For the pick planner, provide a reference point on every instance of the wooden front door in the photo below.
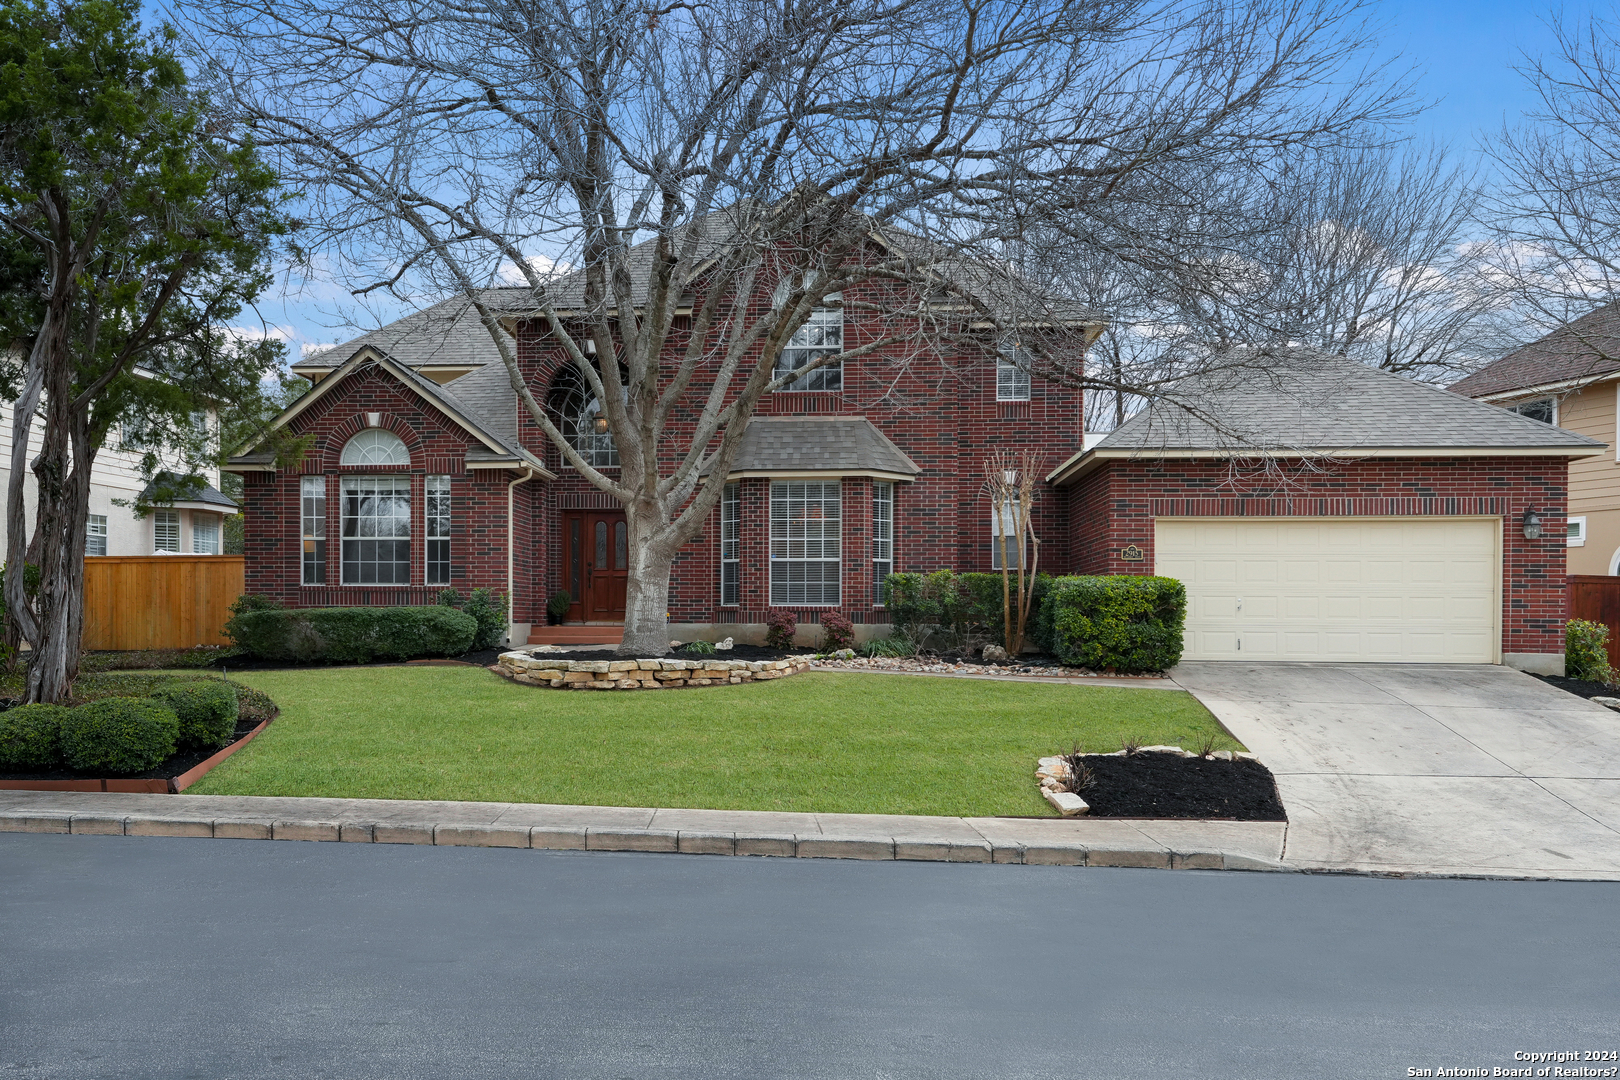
(596, 546)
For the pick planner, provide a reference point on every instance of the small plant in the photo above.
(30, 736)
(699, 648)
(206, 708)
(1131, 744)
(896, 645)
(1080, 778)
(488, 609)
(780, 627)
(1207, 747)
(449, 598)
(557, 607)
(837, 631)
(1586, 651)
(119, 735)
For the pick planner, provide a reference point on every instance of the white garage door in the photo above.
(1393, 590)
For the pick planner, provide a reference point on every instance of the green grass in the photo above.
(836, 743)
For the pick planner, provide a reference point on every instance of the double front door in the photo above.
(596, 551)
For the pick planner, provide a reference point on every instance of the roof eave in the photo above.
(1085, 462)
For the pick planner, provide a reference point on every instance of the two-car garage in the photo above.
(1389, 590)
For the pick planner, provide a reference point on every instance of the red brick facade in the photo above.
(1114, 506)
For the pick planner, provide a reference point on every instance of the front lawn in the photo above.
(825, 742)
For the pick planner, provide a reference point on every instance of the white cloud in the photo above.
(546, 268)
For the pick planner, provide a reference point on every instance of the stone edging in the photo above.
(659, 674)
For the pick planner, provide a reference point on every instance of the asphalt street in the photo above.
(150, 957)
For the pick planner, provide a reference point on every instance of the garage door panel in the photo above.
(1375, 589)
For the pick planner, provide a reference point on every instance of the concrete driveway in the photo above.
(1428, 768)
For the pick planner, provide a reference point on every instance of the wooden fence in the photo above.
(158, 601)
(1596, 598)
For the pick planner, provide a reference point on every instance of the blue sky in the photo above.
(1464, 52)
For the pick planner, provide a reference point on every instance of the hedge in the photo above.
(353, 635)
(1127, 622)
(956, 604)
(31, 736)
(1586, 651)
(207, 709)
(119, 735)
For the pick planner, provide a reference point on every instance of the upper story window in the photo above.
(1542, 409)
(166, 531)
(822, 335)
(375, 447)
(1012, 376)
(204, 534)
(592, 438)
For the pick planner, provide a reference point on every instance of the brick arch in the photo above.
(338, 437)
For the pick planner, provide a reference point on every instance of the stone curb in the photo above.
(869, 846)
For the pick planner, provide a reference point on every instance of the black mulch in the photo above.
(168, 769)
(1156, 785)
(1585, 688)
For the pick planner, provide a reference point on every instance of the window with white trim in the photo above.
(1575, 531)
(821, 335)
(374, 446)
(806, 531)
(95, 535)
(882, 538)
(593, 438)
(730, 563)
(1012, 376)
(166, 531)
(376, 516)
(1005, 524)
(1543, 409)
(312, 496)
(436, 529)
(204, 534)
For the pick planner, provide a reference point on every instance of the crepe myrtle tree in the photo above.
(711, 174)
(129, 233)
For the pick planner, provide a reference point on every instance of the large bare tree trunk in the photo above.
(62, 472)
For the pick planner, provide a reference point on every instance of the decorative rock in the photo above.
(724, 646)
(1166, 750)
(674, 644)
(994, 654)
(1067, 803)
(623, 665)
(1607, 702)
(648, 665)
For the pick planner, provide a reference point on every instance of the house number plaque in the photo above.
(1131, 553)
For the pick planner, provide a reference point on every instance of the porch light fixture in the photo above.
(600, 424)
(1532, 524)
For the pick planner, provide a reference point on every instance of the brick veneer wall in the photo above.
(1115, 506)
(272, 540)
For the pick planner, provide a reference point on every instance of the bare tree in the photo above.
(1009, 480)
(769, 158)
(1557, 210)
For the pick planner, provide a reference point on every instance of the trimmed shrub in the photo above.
(119, 735)
(837, 632)
(207, 709)
(449, 598)
(1126, 622)
(488, 609)
(31, 736)
(254, 602)
(957, 606)
(1586, 651)
(779, 628)
(353, 635)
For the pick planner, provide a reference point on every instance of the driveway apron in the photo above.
(1407, 768)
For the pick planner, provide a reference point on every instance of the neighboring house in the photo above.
(1390, 526)
(187, 527)
(1571, 379)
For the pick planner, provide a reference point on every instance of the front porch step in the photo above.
(576, 634)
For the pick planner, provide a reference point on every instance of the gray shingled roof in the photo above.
(206, 494)
(833, 444)
(1307, 400)
(1587, 347)
(447, 333)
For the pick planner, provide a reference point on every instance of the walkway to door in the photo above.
(1462, 769)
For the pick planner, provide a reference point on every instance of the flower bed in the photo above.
(652, 674)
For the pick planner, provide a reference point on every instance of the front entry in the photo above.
(596, 547)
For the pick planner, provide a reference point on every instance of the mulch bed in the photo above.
(736, 652)
(1585, 688)
(166, 770)
(1158, 785)
(482, 658)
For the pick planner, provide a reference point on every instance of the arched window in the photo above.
(576, 411)
(375, 446)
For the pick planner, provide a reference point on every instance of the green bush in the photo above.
(254, 602)
(889, 646)
(956, 606)
(1127, 622)
(488, 609)
(698, 648)
(1586, 651)
(207, 709)
(119, 735)
(31, 736)
(354, 635)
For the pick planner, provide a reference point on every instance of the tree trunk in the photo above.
(62, 471)
(646, 595)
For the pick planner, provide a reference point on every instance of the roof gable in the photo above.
(1582, 351)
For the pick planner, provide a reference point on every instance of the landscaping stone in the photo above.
(994, 654)
(1066, 802)
(1606, 702)
(649, 674)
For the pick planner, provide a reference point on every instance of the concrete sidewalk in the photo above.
(1210, 845)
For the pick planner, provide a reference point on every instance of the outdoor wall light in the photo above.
(1532, 524)
(600, 426)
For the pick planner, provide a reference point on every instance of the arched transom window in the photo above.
(375, 446)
